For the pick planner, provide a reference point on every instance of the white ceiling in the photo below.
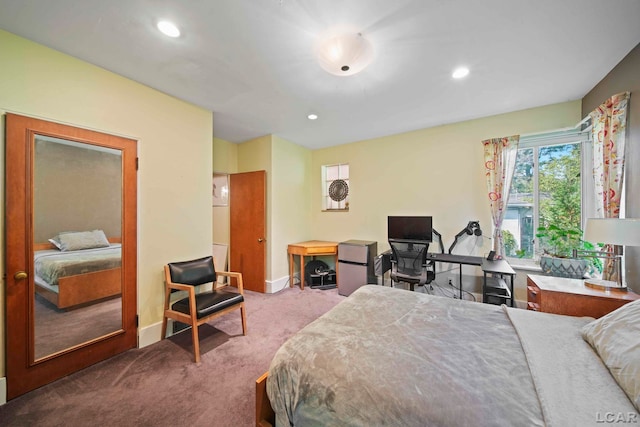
(251, 62)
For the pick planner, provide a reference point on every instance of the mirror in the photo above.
(77, 236)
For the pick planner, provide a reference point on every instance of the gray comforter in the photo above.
(50, 265)
(389, 357)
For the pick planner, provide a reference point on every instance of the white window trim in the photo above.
(559, 137)
(325, 187)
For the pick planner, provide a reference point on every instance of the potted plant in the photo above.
(558, 245)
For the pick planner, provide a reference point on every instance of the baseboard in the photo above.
(150, 334)
(273, 286)
(3, 390)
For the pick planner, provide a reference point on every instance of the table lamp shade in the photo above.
(615, 231)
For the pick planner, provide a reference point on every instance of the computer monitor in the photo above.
(409, 228)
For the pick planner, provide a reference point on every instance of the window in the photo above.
(340, 200)
(548, 187)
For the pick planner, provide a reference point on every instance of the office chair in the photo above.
(196, 309)
(409, 263)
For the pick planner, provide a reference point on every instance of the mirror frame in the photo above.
(76, 187)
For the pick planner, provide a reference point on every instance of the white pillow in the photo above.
(616, 339)
(74, 241)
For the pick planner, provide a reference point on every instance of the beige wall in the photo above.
(288, 169)
(625, 77)
(290, 202)
(175, 150)
(436, 171)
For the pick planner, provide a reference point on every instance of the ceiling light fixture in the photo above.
(312, 116)
(345, 55)
(168, 29)
(460, 72)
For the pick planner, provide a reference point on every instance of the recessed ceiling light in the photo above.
(460, 72)
(168, 28)
(312, 116)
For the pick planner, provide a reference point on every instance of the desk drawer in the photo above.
(321, 250)
(533, 296)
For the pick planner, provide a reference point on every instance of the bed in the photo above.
(70, 278)
(387, 356)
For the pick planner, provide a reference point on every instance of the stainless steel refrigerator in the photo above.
(355, 265)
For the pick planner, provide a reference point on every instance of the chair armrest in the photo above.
(235, 274)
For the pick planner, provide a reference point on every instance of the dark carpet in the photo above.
(160, 385)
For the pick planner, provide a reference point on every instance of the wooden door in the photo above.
(247, 205)
(33, 357)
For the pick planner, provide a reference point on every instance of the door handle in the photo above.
(260, 239)
(20, 275)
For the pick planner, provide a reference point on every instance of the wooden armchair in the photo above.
(198, 308)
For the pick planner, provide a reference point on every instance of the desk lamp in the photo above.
(613, 231)
(472, 228)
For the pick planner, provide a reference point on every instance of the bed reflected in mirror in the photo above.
(77, 217)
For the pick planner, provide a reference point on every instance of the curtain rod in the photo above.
(567, 129)
(583, 121)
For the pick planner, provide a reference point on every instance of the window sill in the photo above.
(524, 264)
(335, 210)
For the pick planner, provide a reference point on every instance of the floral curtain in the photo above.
(608, 132)
(499, 163)
(609, 122)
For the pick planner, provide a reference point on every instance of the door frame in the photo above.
(23, 372)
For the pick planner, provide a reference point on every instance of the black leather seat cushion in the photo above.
(209, 302)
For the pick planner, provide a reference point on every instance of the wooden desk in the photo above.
(571, 297)
(310, 248)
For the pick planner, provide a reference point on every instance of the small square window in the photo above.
(335, 187)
